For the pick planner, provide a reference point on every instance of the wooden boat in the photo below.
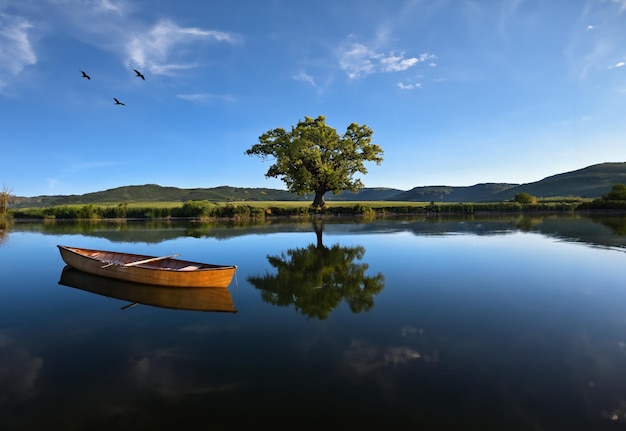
(189, 298)
(162, 271)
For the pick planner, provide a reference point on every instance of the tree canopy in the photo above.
(314, 158)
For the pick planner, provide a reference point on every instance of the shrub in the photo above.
(617, 193)
(525, 198)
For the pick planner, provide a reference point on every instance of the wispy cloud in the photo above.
(621, 4)
(52, 183)
(358, 60)
(155, 48)
(305, 77)
(414, 86)
(206, 97)
(110, 5)
(618, 64)
(160, 47)
(16, 51)
(92, 165)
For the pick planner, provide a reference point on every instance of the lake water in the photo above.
(494, 323)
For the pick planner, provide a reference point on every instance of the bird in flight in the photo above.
(139, 74)
(85, 75)
(117, 102)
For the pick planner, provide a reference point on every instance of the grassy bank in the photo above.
(205, 210)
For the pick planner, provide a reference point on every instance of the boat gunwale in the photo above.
(200, 266)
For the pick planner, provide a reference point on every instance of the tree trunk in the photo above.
(318, 227)
(319, 199)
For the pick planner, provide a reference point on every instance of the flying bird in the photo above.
(85, 75)
(139, 74)
(117, 102)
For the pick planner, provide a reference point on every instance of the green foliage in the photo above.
(197, 209)
(314, 158)
(617, 193)
(614, 200)
(524, 198)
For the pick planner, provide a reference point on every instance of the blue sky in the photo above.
(458, 92)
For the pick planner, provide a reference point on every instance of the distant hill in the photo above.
(589, 182)
(476, 193)
(366, 194)
(156, 193)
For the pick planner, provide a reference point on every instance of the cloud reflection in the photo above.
(172, 375)
(364, 357)
(19, 370)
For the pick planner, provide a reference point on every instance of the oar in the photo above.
(151, 260)
(139, 262)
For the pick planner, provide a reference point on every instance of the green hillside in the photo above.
(366, 194)
(476, 193)
(589, 182)
(156, 193)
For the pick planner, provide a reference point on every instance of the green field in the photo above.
(330, 204)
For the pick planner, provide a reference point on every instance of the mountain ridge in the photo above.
(589, 182)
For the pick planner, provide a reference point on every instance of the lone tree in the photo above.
(314, 158)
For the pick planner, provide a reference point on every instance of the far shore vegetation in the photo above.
(613, 201)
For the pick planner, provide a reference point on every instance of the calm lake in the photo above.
(486, 323)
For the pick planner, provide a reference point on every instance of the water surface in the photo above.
(482, 323)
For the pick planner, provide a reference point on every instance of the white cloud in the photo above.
(358, 60)
(403, 86)
(618, 64)
(16, 51)
(154, 48)
(397, 63)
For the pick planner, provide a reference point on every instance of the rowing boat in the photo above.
(189, 298)
(161, 271)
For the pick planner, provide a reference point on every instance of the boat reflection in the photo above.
(178, 298)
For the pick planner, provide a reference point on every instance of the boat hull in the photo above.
(158, 271)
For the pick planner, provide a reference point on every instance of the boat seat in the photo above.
(189, 268)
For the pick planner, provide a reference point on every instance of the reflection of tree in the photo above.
(526, 223)
(316, 278)
(4, 231)
(616, 224)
